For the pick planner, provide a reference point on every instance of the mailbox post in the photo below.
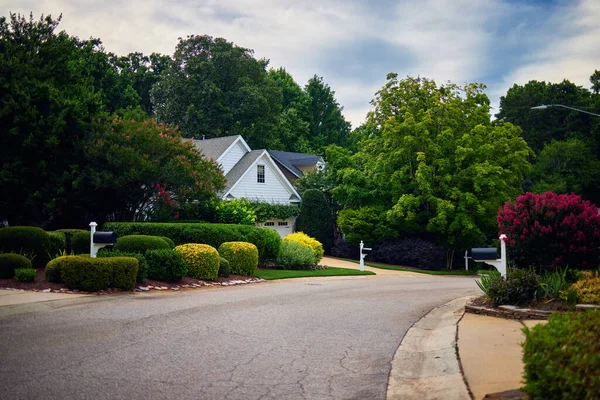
(489, 256)
(99, 240)
(362, 255)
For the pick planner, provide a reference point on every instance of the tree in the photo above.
(214, 88)
(327, 124)
(595, 81)
(434, 162)
(316, 219)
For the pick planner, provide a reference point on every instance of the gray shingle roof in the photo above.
(291, 160)
(214, 148)
(240, 168)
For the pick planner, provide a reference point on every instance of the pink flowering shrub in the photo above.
(549, 231)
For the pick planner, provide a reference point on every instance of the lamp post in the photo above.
(545, 106)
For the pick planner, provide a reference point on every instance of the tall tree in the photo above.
(214, 88)
(595, 81)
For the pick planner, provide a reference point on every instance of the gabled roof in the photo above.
(291, 160)
(215, 148)
(241, 167)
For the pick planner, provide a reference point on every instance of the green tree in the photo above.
(316, 218)
(434, 162)
(214, 88)
(595, 81)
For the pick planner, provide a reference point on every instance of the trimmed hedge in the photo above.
(562, 357)
(53, 269)
(202, 260)
(69, 236)
(169, 241)
(58, 243)
(242, 257)
(142, 263)
(140, 243)
(80, 242)
(224, 268)
(303, 238)
(294, 255)
(519, 288)
(25, 239)
(25, 274)
(92, 274)
(316, 218)
(9, 262)
(211, 234)
(166, 265)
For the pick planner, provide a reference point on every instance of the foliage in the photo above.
(142, 263)
(368, 224)
(124, 271)
(214, 88)
(272, 241)
(224, 268)
(58, 243)
(92, 274)
(587, 289)
(433, 162)
(316, 219)
(272, 274)
(486, 280)
(211, 234)
(169, 241)
(236, 211)
(80, 242)
(166, 265)
(25, 274)
(9, 262)
(242, 257)
(343, 249)
(202, 260)
(68, 237)
(312, 243)
(53, 268)
(140, 243)
(552, 284)
(561, 357)
(413, 252)
(518, 288)
(266, 211)
(550, 231)
(294, 255)
(26, 239)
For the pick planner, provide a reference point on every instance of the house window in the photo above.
(260, 173)
(282, 223)
(270, 223)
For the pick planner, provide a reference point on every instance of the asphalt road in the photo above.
(297, 339)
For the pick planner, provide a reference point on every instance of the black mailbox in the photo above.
(105, 237)
(484, 253)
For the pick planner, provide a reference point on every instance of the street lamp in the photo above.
(545, 106)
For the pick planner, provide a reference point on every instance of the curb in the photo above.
(426, 365)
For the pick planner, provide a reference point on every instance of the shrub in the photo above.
(80, 242)
(562, 358)
(69, 237)
(343, 249)
(91, 274)
(236, 211)
(242, 257)
(224, 268)
(140, 243)
(367, 223)
(519, 288)
(166, 265)
(25, 274)
(9, 262)
(202, 260)
(302, 238)
(486, 280)
(169, 241)
(294, 255)
(272, 241)
(552, 284)
(53, 268)
(551, 231)
(26, 239)
(58, 243)
(412, 252)
(142, 263)
(588, 288)
(316, 219)
(124, 271)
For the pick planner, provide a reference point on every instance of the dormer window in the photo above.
(260, 174)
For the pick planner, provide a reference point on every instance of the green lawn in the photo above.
(272, 274)
(409, 269)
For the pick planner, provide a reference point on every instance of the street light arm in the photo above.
(544, 106)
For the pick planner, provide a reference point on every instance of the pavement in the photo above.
(442, 353)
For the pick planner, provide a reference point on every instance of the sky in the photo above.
(354, 44)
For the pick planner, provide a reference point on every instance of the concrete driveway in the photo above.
(290, 339)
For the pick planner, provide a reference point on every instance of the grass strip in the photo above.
(409, 269)
(272, 274)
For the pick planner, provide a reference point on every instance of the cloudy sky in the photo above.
(353, 44)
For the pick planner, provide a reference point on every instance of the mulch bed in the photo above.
(544, 305)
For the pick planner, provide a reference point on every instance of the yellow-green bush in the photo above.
(588, 288)
(303, 238)
(242, 257)
(202, 260)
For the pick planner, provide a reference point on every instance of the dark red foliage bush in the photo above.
(549, 231)
(412, 252)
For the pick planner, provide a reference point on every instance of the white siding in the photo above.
(272, 191)
(231, 157)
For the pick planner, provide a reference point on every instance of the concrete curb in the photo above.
(426, 365)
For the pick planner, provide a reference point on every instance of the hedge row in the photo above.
(25, 240)
(267, 241)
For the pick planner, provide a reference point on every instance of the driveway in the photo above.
(293, 339)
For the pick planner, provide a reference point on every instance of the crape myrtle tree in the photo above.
(433, 165)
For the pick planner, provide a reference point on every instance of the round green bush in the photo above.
(53, 269)
(142, 263)
(242, 257)
(80, 242)
(140, 243)
(58, 244)
(165, 265)
(169, 241)
(202, 260)
(124, 271)
(519, 288)
(224, 268)
(294, 255)
(270, 241)
(26, 239)
(562, 357)
(9, 262)
(25, 274)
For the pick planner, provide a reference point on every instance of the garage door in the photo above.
(284, 228)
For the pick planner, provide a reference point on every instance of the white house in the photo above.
(251, 174)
